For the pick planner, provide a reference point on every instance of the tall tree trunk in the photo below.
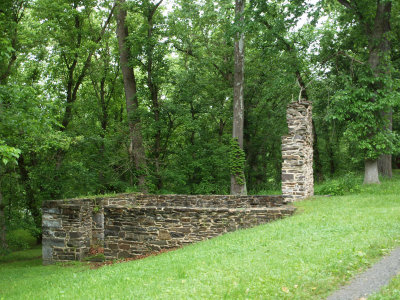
(104, 123)
(192, 180)
(371, 172)
(385, 161)
(331, 145)
(153, 88)
(136, 149)
(385, 165)
(317, 159)
(16, 14)
(31, 203)
(379, 48)
(4, 76)
(221, 129)
(238, 188)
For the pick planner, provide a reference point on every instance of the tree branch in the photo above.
(89, 57)
(103, 29)
(65, 60)
(288, 46)
(113, 84)
(351, 57)
(354, 6)
(190, 53)
(157, 5)
(345, 3)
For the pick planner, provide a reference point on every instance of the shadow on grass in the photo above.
(24, 255)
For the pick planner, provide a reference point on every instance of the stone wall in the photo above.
(143, 230)
(130, 225)
(66, 230)
(230, 201)
(297, 153)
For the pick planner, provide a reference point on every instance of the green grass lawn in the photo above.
(306, 256)
(390, 292)
(31, 254)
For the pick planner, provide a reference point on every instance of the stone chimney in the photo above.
(297, 153)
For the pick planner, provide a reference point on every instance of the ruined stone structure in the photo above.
(130, 225)
(297, 153)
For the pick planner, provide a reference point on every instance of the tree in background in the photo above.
(11, 13)
(238, 180)
(149, 55)
(72, 30)
(136, 150)
(202, 35)
(282, 40)
(369, 94)
(7, 155)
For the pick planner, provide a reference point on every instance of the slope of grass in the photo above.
(306, 256)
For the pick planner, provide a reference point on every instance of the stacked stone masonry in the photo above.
(66, 230)
(132, 225)
(297, 153)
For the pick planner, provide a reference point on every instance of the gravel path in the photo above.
(372, 280)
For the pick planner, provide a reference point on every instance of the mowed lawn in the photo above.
(390, 292)
(306, 256)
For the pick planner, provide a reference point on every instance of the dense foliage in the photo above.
(68, 128)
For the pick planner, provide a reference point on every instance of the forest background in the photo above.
(102, 97)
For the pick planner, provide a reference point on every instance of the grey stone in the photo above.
(75, 235)
(177, 234)
(47, 254)
(51, 223)
(287, 177)
(110, 233)
(164, 235)
(75, 243)
(54, 210)
(99, 219)
(124, 254)
(57, 242)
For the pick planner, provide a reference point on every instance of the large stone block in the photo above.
(47, 223)
(47, 254)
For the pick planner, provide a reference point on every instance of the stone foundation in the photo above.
(297, 153)
(131, 225)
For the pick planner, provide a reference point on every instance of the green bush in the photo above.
(347, 184)
(20, 239)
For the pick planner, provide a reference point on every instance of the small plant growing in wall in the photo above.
(96, 253)
(96, 207)
(96, 258)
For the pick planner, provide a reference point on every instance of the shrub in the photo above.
(20, 239)
(347, 184)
